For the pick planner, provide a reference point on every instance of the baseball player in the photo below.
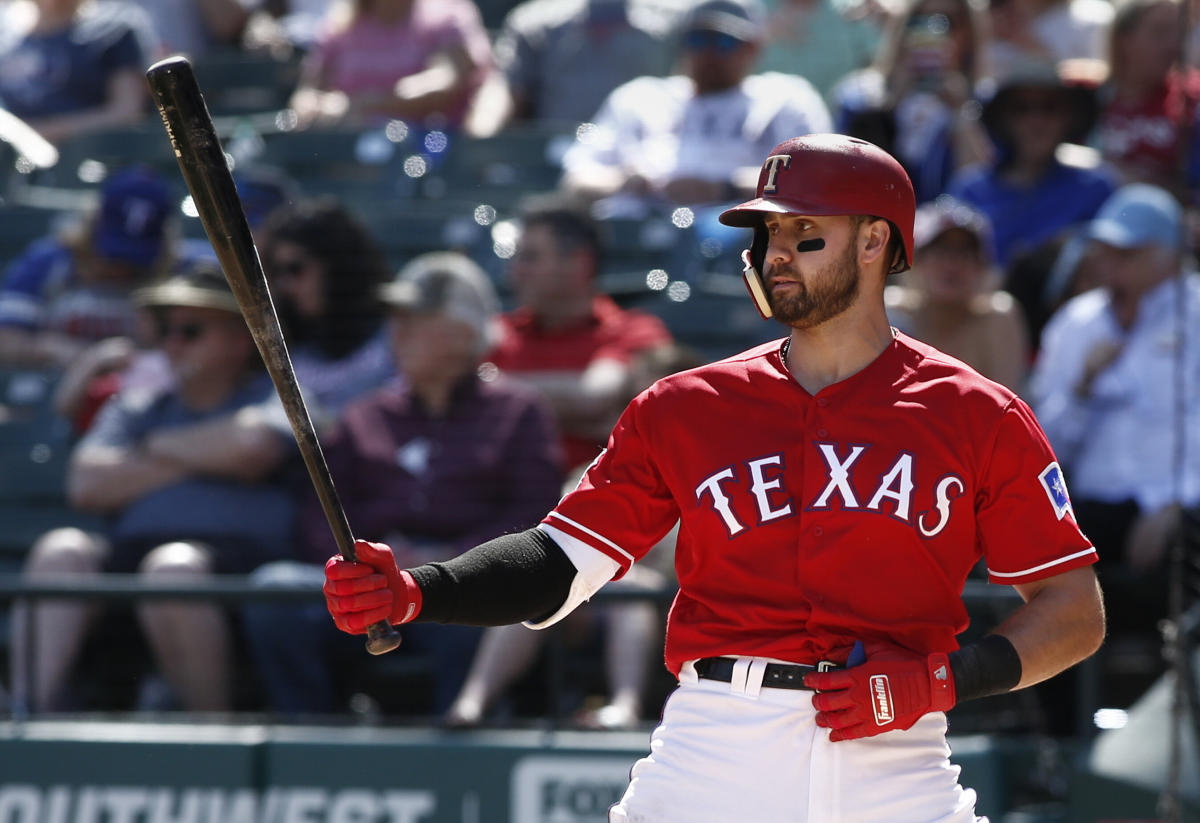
(834, 489)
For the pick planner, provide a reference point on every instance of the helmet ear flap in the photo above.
(753, 259)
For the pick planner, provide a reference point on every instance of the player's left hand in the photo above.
(892, 690)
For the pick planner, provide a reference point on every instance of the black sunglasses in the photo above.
(187, 332)
(718, 41)
(288, 268)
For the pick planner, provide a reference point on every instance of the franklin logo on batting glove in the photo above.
(883, 700)
(892, 690)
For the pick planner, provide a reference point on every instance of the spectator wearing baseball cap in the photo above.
(951, 298)
(1104, 389)
(68, 291)
(695, 138)
(451, 429)
(191, 479)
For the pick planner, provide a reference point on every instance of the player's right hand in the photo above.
(359, 594)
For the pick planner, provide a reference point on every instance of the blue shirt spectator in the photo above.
(1041, 181)
(67, 292)
(77, 67)
(1025, 216)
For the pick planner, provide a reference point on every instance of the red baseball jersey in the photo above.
(809, 522)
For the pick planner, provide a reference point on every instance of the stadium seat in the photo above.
(86, 160)
(499, 170)
(405, 230)
(20, 225)
(714, 316)
(362, 165)
(35, 444)
(236, 82)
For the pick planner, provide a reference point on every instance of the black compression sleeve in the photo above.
(523, 576)
(991, 666)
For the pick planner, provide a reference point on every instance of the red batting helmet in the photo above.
(827, 174)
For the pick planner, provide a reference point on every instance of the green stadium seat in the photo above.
(35, 442)
(714, 316)
(361, 166)
(498, 170)
(86, 160)
(236, 82)
(20, 225)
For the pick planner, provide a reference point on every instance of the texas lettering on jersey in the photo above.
(762, 481)
(807, 522)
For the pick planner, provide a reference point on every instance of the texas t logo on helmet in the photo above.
(824, 174)
(771, 168)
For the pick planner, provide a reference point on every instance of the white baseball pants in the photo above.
(739, 753)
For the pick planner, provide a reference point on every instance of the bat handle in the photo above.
(382, 637)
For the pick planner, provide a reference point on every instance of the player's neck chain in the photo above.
(783, 352)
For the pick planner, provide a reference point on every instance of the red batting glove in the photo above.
(374, 588)
(892, 690)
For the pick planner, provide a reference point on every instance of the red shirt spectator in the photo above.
(569, 342)
(607, 332)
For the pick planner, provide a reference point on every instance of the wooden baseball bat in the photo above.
(202, 161)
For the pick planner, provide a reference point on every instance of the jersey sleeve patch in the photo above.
(1056, 489)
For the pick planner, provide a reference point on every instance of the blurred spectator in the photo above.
(281, 27)
(571, 343)
(75, 67)
(917, 101)
(190, 480)
(1072, 29)
(65, 293)
(697, 137)
(448, 457)
(325, 270)
(950, 299)
(1148, 107)
(415, 60)
(1106, 390)
(821, 40)
(558, 59)
(632, 630)
(103, 368)
(1047, 30)
(196, 27)
(1036, 188)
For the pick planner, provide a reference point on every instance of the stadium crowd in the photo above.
(487, 226)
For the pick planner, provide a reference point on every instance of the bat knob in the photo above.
(382, 638)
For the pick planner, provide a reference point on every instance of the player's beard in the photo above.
(834, 289)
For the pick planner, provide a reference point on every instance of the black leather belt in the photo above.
(776, 676)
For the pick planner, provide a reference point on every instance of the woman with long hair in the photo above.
(325, 269)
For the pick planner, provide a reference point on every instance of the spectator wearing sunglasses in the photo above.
(1038, 186)
(191, 481)
(697, 137)
(325, 270)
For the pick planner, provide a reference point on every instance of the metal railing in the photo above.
(980, 597)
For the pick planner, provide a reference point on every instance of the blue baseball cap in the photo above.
(1139, 215)
(262, 189)
(131, 225)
